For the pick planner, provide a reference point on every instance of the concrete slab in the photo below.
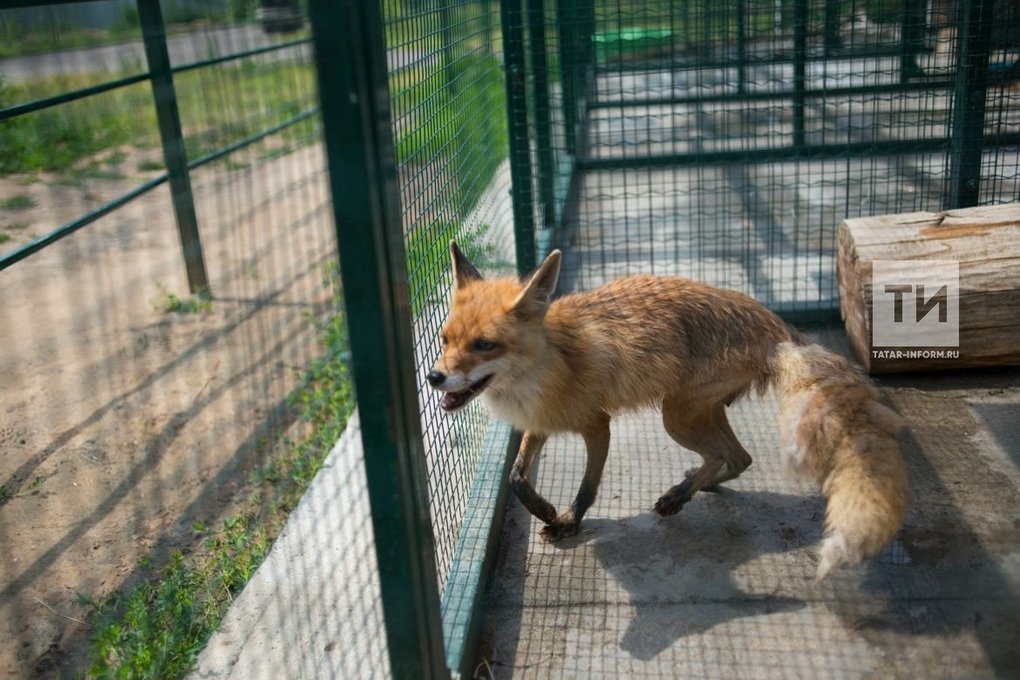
(313, 608)
(725, 588)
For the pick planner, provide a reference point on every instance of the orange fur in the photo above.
(571, 364)
(838, 434)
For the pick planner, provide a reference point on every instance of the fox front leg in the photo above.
(596, 442)
(531, 445)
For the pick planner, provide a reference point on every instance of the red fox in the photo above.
(568, 365)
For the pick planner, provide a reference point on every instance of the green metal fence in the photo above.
(211, 132)
(727, 140)
(719, 140)
(172, 372)
(422, 105)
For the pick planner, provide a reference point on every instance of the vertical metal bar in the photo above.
(350, 63)
(911, 38)
(566, 22)
(800, 20)
(174, 154)
(832, 41)
(967, 139)
(586, 46)
(741, 46)
(451, 73)
(543, 124)
(517, 118)
(449, 54)
(486, 7)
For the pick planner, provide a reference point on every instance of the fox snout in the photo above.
(458, 390)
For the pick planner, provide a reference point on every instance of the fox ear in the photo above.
(463, 270)
(535, 297)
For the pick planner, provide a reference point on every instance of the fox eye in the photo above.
(482, 345)
(443, 340)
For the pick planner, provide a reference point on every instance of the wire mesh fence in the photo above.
(726, 141)
(185, 409)
(450, 136)
(160, 420)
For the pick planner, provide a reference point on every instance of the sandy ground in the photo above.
(125, 427)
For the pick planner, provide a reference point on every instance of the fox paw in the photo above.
(556, 530)
(670, 504)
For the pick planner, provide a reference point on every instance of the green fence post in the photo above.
(517, 119)
(911, 38)
(968, 128)
(350, 64)
(566, 20)
(543, 124)
(742, 10)
(174, 154)
(832, 41)
(450, 65)
(800, 21)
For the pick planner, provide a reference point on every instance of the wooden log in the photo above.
(984, 243)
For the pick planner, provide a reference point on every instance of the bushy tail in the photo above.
(836, 432)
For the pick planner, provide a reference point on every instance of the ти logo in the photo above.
(915, 303)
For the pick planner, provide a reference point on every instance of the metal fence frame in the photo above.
(573, 46)
(178, 167)
(970, 83)
(426, 636)
(351, 65)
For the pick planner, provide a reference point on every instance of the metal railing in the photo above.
(160, 74)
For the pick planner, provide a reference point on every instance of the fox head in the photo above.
(493, 325)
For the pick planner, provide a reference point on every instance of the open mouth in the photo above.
(456, 400)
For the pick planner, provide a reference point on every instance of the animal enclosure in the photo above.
(219, 239)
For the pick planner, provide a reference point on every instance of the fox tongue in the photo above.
(454, 400)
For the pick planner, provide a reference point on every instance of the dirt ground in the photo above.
(126, 427)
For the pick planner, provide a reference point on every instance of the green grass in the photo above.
(166, 302)
(156, 629)
(16, 41)
(428, 256)
(151, 165)
(57, 32)
(7, 494)
(218, 106)
(457, 114)
(4, 238)
(18, 202)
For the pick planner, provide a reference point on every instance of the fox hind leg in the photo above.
(706, 431)
(737, 459)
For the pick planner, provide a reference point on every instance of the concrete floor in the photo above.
(725, 589)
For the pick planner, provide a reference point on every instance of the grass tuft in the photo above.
(166, 301)
(19, 202)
